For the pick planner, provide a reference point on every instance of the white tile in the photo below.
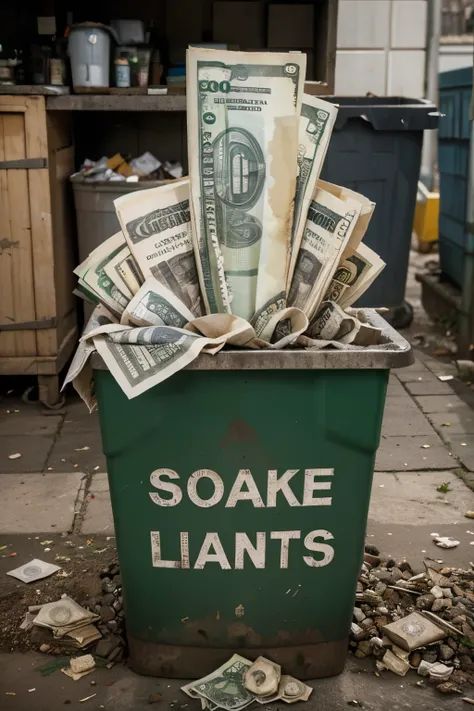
(363, 24)
(359, 72)
(406, 73)
(409, 24)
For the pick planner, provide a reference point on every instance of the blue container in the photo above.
(455, 90)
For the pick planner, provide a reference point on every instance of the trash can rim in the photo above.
(397, 356)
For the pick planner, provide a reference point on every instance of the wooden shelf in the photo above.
(105, 102)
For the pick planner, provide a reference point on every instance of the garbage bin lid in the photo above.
(394, 352)
(386, 113)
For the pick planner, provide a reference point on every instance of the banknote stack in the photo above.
(239, 682)
(251, 250)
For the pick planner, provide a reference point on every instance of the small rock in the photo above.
(359, 654)
(424, 602)
(391, 596)
(154, 698)
(107, 613)
(382, 610)
(466, 661)
(406, 575)
(441, 604)
(468, 631)
(429, 657)
(108, 599)
(453, 644)
(358, 614)
(380, 588)
(372, 560)
(390, 563)
(118, 604)
(357, 632)
(437, 592)
(118, 580)
(114, 569)
(108, 586)
(396, 575)
(459, 592)
(45, 648)
(114, 654)
(383, 575)
(445, 652)
(447, 592)
(359, 588)
(112, 625)
(415, 659)
(107, 645)
(367, 623)
(372, 550)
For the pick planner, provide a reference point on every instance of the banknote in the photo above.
(365, 267)
(92, 275)
(123, 271)
(64, 614)
(224, 687)
(140, 358)
(332, 323)
(155, 305)
(263, 677)
(329, 224)
(34, 570)
(80, 371)
(314, 132)
(354, 276)
(243, 110)
(156, 225)
(363, 219)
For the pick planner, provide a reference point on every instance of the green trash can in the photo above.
(240, 489)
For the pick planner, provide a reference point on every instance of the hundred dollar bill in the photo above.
(243, 110)
(224, 687)
(92, 275)
(368, 267)
(315, 127)
(123, 271)
(332, 323)
(363, 219)
(156, 225)
(155, 305)
(140, 358)
(80, 371)
(354, 276)
(329, 224)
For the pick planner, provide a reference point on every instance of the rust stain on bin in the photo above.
(239, 431)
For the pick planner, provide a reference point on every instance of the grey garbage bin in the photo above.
(95, 211)
(375, 149)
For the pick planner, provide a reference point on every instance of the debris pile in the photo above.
(64, 626)
(119, 168)
(239, 682)
(410, 619)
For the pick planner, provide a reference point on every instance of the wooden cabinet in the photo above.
(38, 328)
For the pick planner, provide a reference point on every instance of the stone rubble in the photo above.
(435, 606)
(111, 624)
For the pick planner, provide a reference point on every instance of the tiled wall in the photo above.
(381, 47)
